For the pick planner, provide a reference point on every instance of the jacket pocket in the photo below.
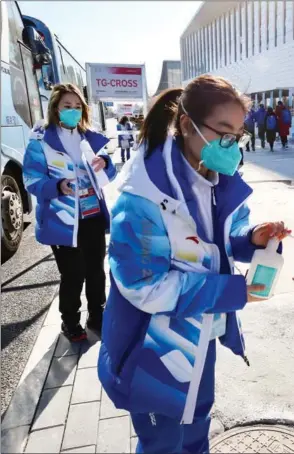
(128, 362)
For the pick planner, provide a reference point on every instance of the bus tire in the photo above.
(12, 216)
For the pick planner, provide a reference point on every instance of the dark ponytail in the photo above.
(159, 119)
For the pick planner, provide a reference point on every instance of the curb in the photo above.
(20, 413)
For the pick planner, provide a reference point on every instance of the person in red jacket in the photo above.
(284, 122)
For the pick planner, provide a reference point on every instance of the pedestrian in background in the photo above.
(250, 127)
(125, 141)
(260, 120)
(284, 118)
(71, 211)
(271, 127)
(171, 257)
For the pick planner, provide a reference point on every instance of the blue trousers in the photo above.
(158, 434)
(123, 150)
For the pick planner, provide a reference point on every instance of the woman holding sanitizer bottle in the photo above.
(178, 226)
(65, 166)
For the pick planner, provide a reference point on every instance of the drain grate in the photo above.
(255, 439)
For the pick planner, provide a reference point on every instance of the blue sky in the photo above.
(118, 32)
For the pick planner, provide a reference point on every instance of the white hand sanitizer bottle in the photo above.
(89, 156)
(265, 269)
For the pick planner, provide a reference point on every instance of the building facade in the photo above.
(250, 43)
(170, 75)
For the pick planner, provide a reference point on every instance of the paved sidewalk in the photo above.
(59, 405)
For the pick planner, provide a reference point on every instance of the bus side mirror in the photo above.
(41, 53)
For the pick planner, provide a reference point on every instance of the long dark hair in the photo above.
(200, 97)
(123, 120)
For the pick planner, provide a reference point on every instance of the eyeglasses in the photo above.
(227, 139)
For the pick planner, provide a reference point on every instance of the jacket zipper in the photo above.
(204, 339)
(125, 355)
(77, 208)
(191, 400)
(245, 358)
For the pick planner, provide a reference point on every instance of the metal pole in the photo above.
(144, 89)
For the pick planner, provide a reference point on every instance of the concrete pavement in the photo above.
(59, 405)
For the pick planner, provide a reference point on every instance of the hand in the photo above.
(264, 232)
(254, 288)
(98, 163)
(65, 188)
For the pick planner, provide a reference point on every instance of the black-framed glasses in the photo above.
(227, 139)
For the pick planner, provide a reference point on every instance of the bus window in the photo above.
(62, 62)
(33, 92)
(17, 79)
(15, 34)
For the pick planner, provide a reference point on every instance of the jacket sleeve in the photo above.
(140, 262)
(110, 168)
(35, 173)
(240, 236)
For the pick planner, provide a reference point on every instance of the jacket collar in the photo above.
(150, 178)
(97, 141)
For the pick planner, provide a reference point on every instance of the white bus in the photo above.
(21, 51)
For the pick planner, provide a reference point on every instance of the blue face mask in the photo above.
(222, 160)
(70, 117)
(216, 158)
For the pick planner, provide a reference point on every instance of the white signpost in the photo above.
(116, 82)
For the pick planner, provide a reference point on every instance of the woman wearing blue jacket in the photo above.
(180, 222)
(71, 211)
(125, 139)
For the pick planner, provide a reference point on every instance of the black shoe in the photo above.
(94, 324)
(74, 333)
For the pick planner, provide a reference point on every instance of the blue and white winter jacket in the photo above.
(125, 139)
(46, 163)
(170, 286)
(260, 116)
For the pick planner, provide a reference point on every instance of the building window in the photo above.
(237, 11)
(187, 58)
(271, 25)
(199, 51)
(224, 39)
(246, 28)
(259, 24)
(284, 20)
(276, 23)
(233, 35)
(240, 32)
(208, 48)
(212, 32)
(204, 49)
(293, 22)
(252, 26)
(280, 23)
(216, 44)
(191, 56)
(267, 25)
(219, 44)
(195, 53)
(202, 52)
(228, 38)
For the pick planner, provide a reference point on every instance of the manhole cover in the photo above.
(255, 439)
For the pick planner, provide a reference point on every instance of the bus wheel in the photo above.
(12, 217)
